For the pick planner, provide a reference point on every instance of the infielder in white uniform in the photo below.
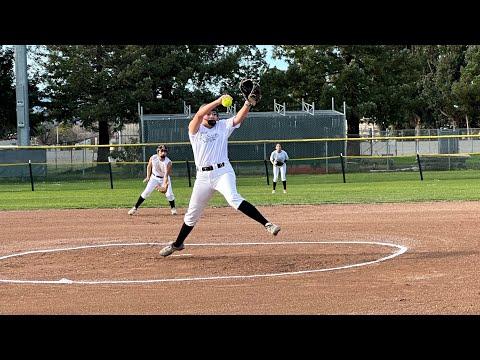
(159, 169)
(209, 139)
(279, 158)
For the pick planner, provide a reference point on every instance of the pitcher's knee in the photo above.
(145, 194)
(191, 219)
(235, 201)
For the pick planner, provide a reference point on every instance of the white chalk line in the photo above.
(401, 249)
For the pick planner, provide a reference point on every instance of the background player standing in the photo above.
(279, 158)
(209, 138)
(159, 169)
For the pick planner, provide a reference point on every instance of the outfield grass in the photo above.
(302, 189)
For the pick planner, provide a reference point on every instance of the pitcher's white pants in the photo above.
(222, 180)
(154, 181)
(283, 172)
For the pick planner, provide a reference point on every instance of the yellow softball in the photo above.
(227, 101)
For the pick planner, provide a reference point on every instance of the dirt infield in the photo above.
(328, 259)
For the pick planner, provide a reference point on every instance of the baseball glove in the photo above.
(279, 163)
(250, 91)
(162, 189)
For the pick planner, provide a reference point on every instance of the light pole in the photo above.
(21, 78)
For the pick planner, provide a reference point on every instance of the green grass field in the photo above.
(302, 189)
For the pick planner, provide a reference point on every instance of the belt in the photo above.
(211, 167)
(160, 177)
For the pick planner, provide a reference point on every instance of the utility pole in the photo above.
(23, 121)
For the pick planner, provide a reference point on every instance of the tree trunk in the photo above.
(353, 147)
(103, 139)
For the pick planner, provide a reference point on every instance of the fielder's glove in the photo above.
(250, 91)
(279, 163)
(162, 189)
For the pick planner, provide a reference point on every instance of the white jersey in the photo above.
(281, 156)
(159, 168)
(210, 146)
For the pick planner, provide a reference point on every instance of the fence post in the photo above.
(111, 176)
(419, 166)
(188, 172)
(326, 157)
(31, 174)
(266, 171)
(84, 155)
(388, 155)
(343, 167)
(371, 142)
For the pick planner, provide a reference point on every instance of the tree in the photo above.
(8, 119)
(374, 81)
(8, 112)
(467, 89)
(101, 85)
(441, 69)
(195, 73)
(308, 75)
(279, 85)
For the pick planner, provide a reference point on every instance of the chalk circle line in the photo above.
(400, 249)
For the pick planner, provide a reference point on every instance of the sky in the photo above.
(279, 64)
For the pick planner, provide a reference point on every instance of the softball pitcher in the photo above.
(159, 169)
(209, 139)
(278, 158)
